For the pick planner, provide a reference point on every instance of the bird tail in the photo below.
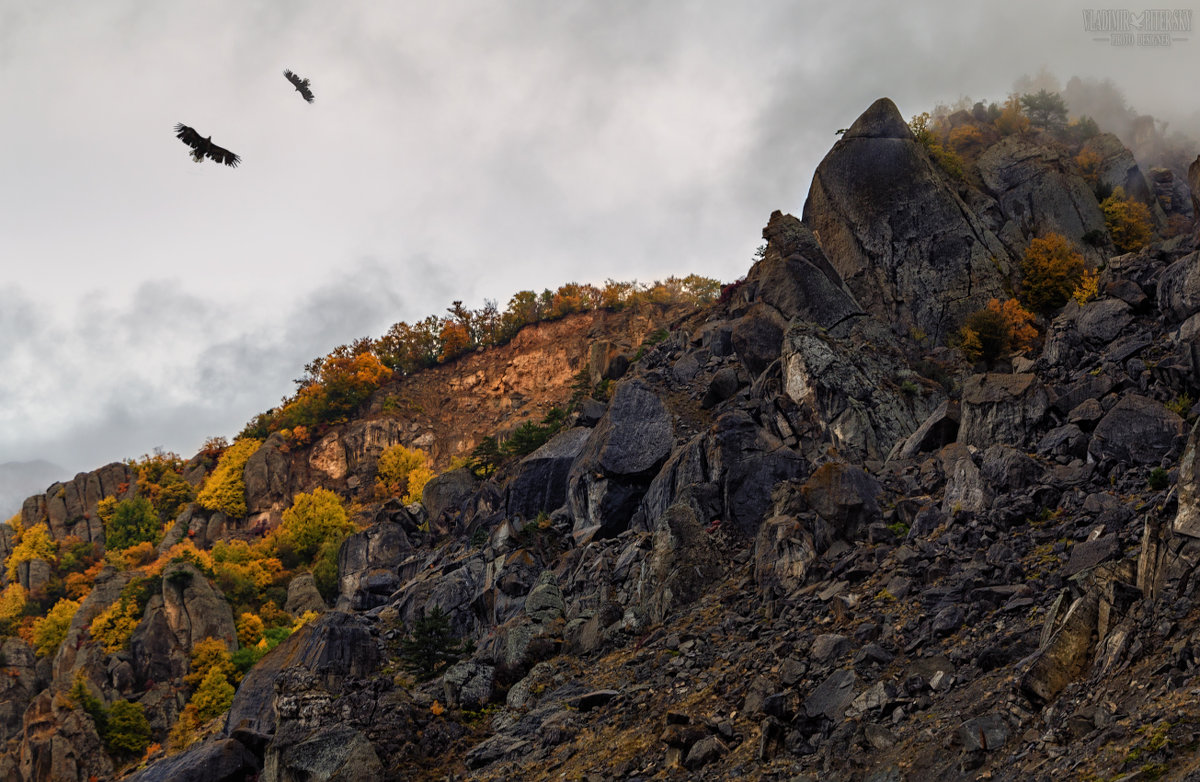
(198, 156)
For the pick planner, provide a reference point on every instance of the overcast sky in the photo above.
(456, 150)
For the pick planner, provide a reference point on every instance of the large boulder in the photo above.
(445, 493)
(909, 249)
(1001, 408)
(267, 480)
(540, 481)
(337, 753)
(186, 611)
(622, 454)
(1136, 430)
(684, 563)
(1179, 289)
(845, 496)
(1116, 167)
(725, 473)
(221, 760)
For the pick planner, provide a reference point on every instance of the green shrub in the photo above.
(128, 732)
(1158, 479)
(134, 521)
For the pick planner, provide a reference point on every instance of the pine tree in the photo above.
(430, 647)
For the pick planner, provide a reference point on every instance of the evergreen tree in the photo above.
(430, 646)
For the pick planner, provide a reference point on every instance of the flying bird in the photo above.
(301, 85)
(203, 147)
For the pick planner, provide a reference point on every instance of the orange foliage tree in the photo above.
(1051, 270)
(996, 330)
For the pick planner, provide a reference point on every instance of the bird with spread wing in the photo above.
(203, 147)
(300, 84)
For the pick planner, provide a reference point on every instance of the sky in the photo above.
(455, 150)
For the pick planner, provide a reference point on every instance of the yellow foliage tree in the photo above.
(12, 606)
(50, 630)
(1128, 221)
(35, 543)
(213, 697)
(1012, 119)
(114, 626)
(225, 489)
(1050, 272)
(403, 472)
(210, 655)
(1089, 161)
(314, 518)
(249, 629)
(966, 139)
(1088, 287)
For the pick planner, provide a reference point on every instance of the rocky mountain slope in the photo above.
(802, 537)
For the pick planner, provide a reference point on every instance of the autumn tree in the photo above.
(1128, 221)
(1012, 119)
(1050, 272)
(996, 330)
(128, 731)
(213, 697)
(50, 630)
(33, 543)
(403, 472)
(225, 489)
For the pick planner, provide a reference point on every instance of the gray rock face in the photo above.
(940, 428)
(1179, 289)
(845, 496)
(620, 458)
(1100, 322)
(796, 278)
(1117, 167)
(367, 561)
(757, 337)
(541, 478)
(965, 488)
(468, 685)
(1136, 430)
(60, 743)
(999, 408)
(725, 473)
(683, 563)
(1037, 192)
(908, 248)
(69, 508)
(333, 647)
(267, 479)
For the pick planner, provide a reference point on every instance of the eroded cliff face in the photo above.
(796, 540)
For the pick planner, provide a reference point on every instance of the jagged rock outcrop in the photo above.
(69, 507)
(616, 465)
(186, 611)
(999, 408)
(222, 760)
(61, 743)
(1038, 193)
(850, 397)
(367, 560)
(1117, 167)
(795, 278)
(1136, 431)
(911, 251)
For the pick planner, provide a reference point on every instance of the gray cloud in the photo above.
(457, 150)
